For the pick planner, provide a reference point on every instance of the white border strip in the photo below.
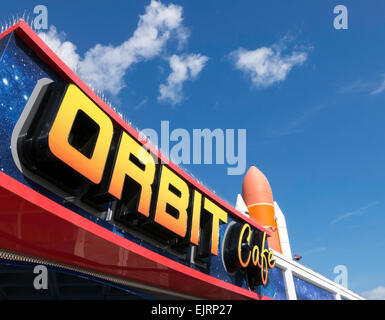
(292, 268)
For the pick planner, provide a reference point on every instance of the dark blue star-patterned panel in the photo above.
(307, 291)
(20, 70)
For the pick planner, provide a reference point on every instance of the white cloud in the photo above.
(183, 68)
(66, 50)
(357, 86)
(267, 65)
(380, 88)
(297, 124)
(372, 87)
(103, 67)
(314, 250)
(357, 212)
(140, 104)
(375, 294)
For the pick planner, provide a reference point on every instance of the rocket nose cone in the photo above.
(256, 188)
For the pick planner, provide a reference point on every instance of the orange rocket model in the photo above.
(257, 195)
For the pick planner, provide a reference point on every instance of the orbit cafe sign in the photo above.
(65, 142)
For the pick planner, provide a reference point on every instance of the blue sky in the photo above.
(316, 128)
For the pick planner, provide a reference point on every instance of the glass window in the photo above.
(308, 291)
(17, 283)
(275, 287)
